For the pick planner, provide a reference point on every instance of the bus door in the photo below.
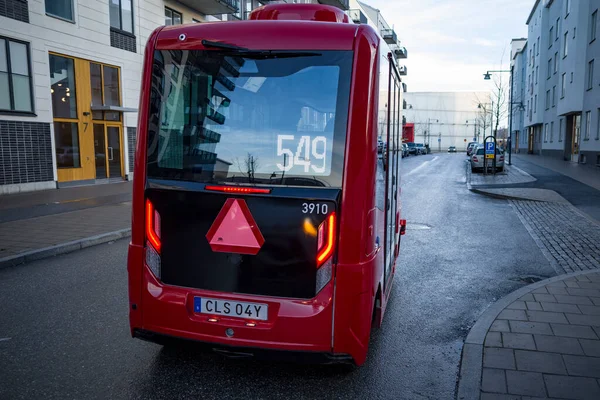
(392, 162)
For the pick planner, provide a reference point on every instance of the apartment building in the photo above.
(561, 90)
(70, 79)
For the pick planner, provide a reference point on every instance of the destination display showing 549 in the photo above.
(304, 154)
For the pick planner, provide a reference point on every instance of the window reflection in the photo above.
(67, 145)
(62, 87)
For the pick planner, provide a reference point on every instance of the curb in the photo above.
(471, 363)
(63, 248)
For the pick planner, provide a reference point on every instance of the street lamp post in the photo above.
(429, 128)
(487, 76)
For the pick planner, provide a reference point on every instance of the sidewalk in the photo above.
(541, 341)
(41, 224)
(588, 174)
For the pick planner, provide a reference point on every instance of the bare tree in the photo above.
(500, 100)
(484, 114)
(248, 166)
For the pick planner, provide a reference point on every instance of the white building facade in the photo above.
(70, 75)
(443, 119)
(562, 93)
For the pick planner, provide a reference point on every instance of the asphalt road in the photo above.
(64, 329)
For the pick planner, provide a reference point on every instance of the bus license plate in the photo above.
(239, 309)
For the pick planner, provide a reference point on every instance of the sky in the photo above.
(452, 43)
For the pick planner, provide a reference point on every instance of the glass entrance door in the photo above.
(107, 148)
(100, 151)
(113, 150)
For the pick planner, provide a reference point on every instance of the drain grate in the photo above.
(527, 279)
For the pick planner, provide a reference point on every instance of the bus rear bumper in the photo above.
(232, 351)
(294, 325)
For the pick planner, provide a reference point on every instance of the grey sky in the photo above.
(451, 43)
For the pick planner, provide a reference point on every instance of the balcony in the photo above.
(401, 52)
(404, 87)
(357, 16)
(389, 35)
(403, 70)
(343, 4)
(212, 7)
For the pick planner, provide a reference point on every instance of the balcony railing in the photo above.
(403, 70)
(401, 52)
(389, 35)
(357, 16)
(213, 7)
(343, 4)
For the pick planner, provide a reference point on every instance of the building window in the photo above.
(60, 8)
(121, 15)
(535, 104)
(590, 83)
(534, 53)
(567, 8)
(549, 69)
(556, 62)
(551, 131)
(172, 17)
(547, 99)
(538, 46)
(554, 96)
(598, 126)
(545, 133)
(593, 24)
(566, 44)
(537, 73)
(563, 85)
(557, 29)
(588, 125)
(560, 129)
(551, 37)
(15, 76)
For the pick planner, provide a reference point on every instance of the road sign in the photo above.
(490, 150)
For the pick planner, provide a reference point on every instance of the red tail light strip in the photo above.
(151, 234)
(327, 249)
(236, 189)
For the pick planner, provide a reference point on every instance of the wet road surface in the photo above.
(64, 329)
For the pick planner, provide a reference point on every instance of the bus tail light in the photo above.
(153, 244)
(325, 246)
(325, 238)
(153, 226)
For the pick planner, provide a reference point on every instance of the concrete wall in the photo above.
(444, 115)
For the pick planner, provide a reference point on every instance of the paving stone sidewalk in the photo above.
(30, 235)
(542, 341)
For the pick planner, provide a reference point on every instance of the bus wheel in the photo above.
(376, 320)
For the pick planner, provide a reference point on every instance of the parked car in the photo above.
(452, 149)
(478, 156)
(412, 148)
(421, 148)
(470, 148)
(404, 150)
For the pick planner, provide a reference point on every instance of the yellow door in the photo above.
(78, 88)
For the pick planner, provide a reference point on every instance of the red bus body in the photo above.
(338, 320)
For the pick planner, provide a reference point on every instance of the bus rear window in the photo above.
(275, 118)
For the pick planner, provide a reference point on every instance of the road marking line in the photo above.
(4, 339)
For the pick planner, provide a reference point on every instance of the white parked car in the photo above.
(478, 155)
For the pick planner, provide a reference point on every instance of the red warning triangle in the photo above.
(234, 230)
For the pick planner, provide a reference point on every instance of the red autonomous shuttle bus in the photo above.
(263, 216)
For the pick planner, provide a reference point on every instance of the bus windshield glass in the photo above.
(275, 118)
